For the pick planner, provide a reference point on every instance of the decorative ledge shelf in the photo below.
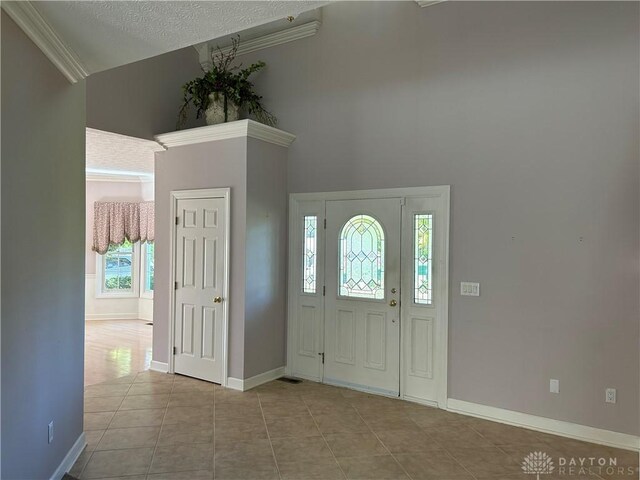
(224, 131)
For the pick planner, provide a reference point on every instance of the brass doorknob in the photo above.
(393, 303)
(217, 300)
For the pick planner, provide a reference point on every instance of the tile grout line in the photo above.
(213, 461)
(155, 448)
(382, 443)
(335, 459)
(105, 430)
(269, 436)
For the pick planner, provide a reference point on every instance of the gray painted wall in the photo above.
(256, 172)
(266, 264)
(205, 165)
(43, 136)
(530, 111)
(143, 98)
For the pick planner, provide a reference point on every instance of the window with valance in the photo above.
(116, 222)
(123, 234)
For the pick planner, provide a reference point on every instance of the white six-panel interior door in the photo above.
(368, 290)
(199, 301)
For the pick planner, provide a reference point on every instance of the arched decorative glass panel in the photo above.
(361, 258)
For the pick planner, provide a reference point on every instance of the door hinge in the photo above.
(325, 223)
(177, 220)
(324, 290)
(175, 285)
(322, 355)
(175, 350)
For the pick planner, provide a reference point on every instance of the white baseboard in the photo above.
(112, 316)
(249, 383)
(159, 366)
(421, 401)
(70, 458)
(234, 383)
(546, 425)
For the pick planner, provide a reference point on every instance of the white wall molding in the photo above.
(428, 3)
(249, 383)
(288, 34)
(546, 425)
(70, 458)
(225, 131)
(107, 177)
(235, 383)
(118, 137)
(161, 367)
(47, 40)
(111, 316)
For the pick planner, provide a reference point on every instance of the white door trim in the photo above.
(441, 191)
(224, 193)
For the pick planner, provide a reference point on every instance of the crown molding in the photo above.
(428, 3)
(224, 131)
(105, 177)
(150, 144)
(47, 40)
(285, 35)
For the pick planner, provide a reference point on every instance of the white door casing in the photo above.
(362, 327)
(423, 221)
(200, 272)
(423, 370)
(307, 345)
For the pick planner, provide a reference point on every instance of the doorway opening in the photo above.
(368, 291)
(119, 254)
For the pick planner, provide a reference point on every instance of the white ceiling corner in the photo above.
(114, 155)
(40, 32)
(106, 34)
(270, 34)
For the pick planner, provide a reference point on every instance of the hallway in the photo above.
(116, 348)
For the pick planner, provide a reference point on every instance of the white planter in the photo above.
(215, 113)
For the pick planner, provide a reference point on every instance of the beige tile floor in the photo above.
(154, 426)
(115, 348)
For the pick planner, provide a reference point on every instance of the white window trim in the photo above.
(135, 269)
(144, 293)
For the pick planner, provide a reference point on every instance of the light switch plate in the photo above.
(470, 289)
(554, 385)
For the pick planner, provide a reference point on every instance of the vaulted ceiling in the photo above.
(84, 37)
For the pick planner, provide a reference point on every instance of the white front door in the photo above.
(199, 275)
(362, 278)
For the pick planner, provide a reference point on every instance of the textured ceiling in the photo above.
(110, 153)
(106, 34)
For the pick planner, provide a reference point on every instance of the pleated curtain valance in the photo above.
(115, 222)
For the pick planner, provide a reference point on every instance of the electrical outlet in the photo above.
(610, 395)
(51, 431)
(554, 385)
(470, 289)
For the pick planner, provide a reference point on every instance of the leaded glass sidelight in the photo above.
(309, 253)
(361, 258)
(422, 258)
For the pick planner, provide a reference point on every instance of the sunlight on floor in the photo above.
(115, 348)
